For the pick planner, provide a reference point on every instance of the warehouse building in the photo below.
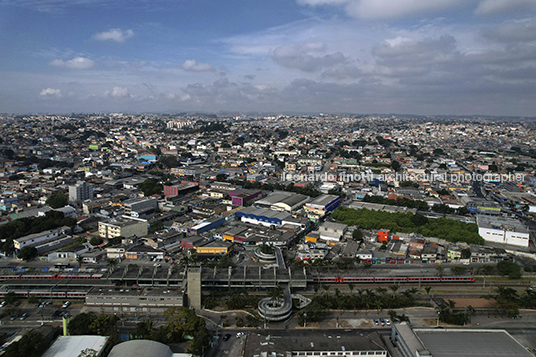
(320, 206)
(283, 201)
(503, 230)
(430, 342)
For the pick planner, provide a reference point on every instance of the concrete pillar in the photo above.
(194, 288)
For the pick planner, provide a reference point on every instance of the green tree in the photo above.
(10, 298)
(357, 235)
(458, 270)
(32, 344)
(103, 325)
(95, 241)
(80, 261)
(151, 186)
(157, 226)
(276, 293)
(510, 269)
(58, 200)
(466, 253)
(144, 329)
(27, 253)
(79, 325)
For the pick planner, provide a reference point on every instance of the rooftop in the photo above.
(458, 343)
(72, 346)
(281, 342)
(508, 224)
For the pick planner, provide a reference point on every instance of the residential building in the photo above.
(123, 226)
(81, 191)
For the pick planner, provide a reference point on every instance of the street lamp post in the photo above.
(438, 314)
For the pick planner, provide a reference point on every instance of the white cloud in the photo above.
(193, 66)
(298, 55)
(116, 35)
(75, 63)
(50, 92)
(500, 7)
(386, 9)
(119, 92)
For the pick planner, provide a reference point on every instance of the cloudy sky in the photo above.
(359, 56)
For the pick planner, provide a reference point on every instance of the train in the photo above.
(50, 276)
(46, 293)
(394, 279)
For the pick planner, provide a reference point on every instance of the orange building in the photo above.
(383, 235)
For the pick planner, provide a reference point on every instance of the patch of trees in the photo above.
(24, 226)
(447, 314)
(89, 323)
(408, 184)
(45, 163)
(241, 300)
(350, 155)
(32, 344)
(364, 299)
(281, 133)
(58, 200)
(400, 201)
(151, 186)
(510, 269)
(28, 253)
(509, 301)
(449, 229)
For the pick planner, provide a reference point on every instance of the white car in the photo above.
(66, 304)
(465, 263)
(2, 304)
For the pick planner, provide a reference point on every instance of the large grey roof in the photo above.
(72, 346)
(488, 343)
(140, 348)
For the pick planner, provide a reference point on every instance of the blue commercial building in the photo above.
(206, 225)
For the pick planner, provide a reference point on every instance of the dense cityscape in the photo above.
(260, 222)
(274, 178)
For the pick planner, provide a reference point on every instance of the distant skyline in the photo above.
(426, 57)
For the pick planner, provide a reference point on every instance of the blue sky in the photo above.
(359, 56)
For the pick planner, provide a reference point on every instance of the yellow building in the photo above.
(312, 237)
(214, 248)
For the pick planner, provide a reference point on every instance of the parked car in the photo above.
(226, 337)
(376, 322)
(66, 304)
